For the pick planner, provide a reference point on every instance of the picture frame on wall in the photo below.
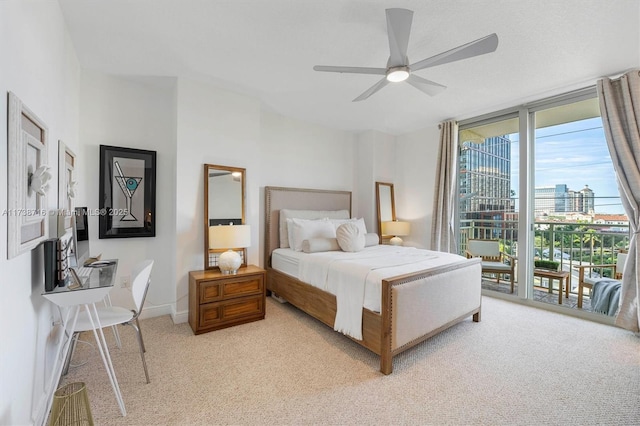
(28, 177)
(66, 186)
(127, 206)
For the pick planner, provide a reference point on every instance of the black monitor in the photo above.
(80, 225)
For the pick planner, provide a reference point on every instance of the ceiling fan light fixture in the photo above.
(397, 74)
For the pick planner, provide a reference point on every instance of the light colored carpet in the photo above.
(520, 365)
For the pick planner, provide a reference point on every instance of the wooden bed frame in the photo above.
(414, 306)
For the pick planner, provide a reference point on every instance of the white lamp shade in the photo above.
(229, 236)
(395, 228)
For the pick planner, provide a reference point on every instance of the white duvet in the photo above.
(351, 276)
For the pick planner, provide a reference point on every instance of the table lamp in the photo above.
(397, 229)
(229, 237)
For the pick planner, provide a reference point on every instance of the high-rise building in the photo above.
(485, 180)
(552, 199)
(588, 204)
(560, 199)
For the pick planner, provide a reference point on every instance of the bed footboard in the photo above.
(418, 306)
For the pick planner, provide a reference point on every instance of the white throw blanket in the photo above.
(350, 273)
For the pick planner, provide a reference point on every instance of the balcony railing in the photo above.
(567, 243)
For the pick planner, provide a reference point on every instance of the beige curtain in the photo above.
(443, 221)
(620, 110)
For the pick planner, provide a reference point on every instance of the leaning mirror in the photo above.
(224, 194)
(386, 206)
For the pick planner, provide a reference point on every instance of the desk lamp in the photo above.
(229, 237)
(397, 229)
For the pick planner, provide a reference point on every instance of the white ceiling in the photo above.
(267, 49)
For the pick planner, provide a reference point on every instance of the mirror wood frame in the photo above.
(208, 264)
(384, 197)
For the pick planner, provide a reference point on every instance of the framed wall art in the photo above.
(66, 186)
(27, 179)
(127, 205)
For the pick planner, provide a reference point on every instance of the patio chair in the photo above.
(587, 282)
(494, 261)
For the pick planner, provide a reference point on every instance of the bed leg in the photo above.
(386, 358)
(386, 364)
(477, 316)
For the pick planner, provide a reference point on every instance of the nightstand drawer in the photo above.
(209, 315)
(211, 291)
(216, 314)
(251, 285)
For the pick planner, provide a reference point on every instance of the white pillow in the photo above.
(361, 225)
(350, 237)
(359, 222)
(305, 214)
(304, 229)
(371, 239)
(315, 245)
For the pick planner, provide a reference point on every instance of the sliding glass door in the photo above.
(488, 204)
(539, 179)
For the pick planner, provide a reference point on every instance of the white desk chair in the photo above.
(114, 315)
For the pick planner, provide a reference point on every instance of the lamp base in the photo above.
(229, 262)
(396, 241)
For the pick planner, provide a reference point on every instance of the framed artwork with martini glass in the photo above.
(127, 205)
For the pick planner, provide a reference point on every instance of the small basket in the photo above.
(71, 406)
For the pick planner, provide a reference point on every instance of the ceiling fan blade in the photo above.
(398, 29)
(427, 86)
(351, 70)
(478, 47)
(373, 89)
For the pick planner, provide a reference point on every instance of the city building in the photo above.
(485, 181)
(551, 200)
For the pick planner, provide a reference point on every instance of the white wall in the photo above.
(375, 162)
(416, 159)
(295, 153)
(132, 113)
(220, 127)
(39, 65)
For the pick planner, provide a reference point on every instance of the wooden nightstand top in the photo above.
(215, 273)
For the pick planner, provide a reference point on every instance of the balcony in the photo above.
(568, 243)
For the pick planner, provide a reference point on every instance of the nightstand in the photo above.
(218, 301)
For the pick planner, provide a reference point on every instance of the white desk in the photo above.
(95, 289)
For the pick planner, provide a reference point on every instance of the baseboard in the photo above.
(156, 311)
(180, 317)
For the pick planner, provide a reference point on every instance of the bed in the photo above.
(413, 306)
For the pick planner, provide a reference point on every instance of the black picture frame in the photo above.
(127, 206)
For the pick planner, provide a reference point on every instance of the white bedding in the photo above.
(365, 270)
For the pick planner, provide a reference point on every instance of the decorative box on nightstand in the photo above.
(218, 301)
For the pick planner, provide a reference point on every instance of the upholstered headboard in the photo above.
(278, 198)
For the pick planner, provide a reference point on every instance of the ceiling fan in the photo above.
(398, 68)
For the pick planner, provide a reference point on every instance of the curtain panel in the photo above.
(443, 221)
(620, 109)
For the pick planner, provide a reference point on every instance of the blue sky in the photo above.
(574, 154)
